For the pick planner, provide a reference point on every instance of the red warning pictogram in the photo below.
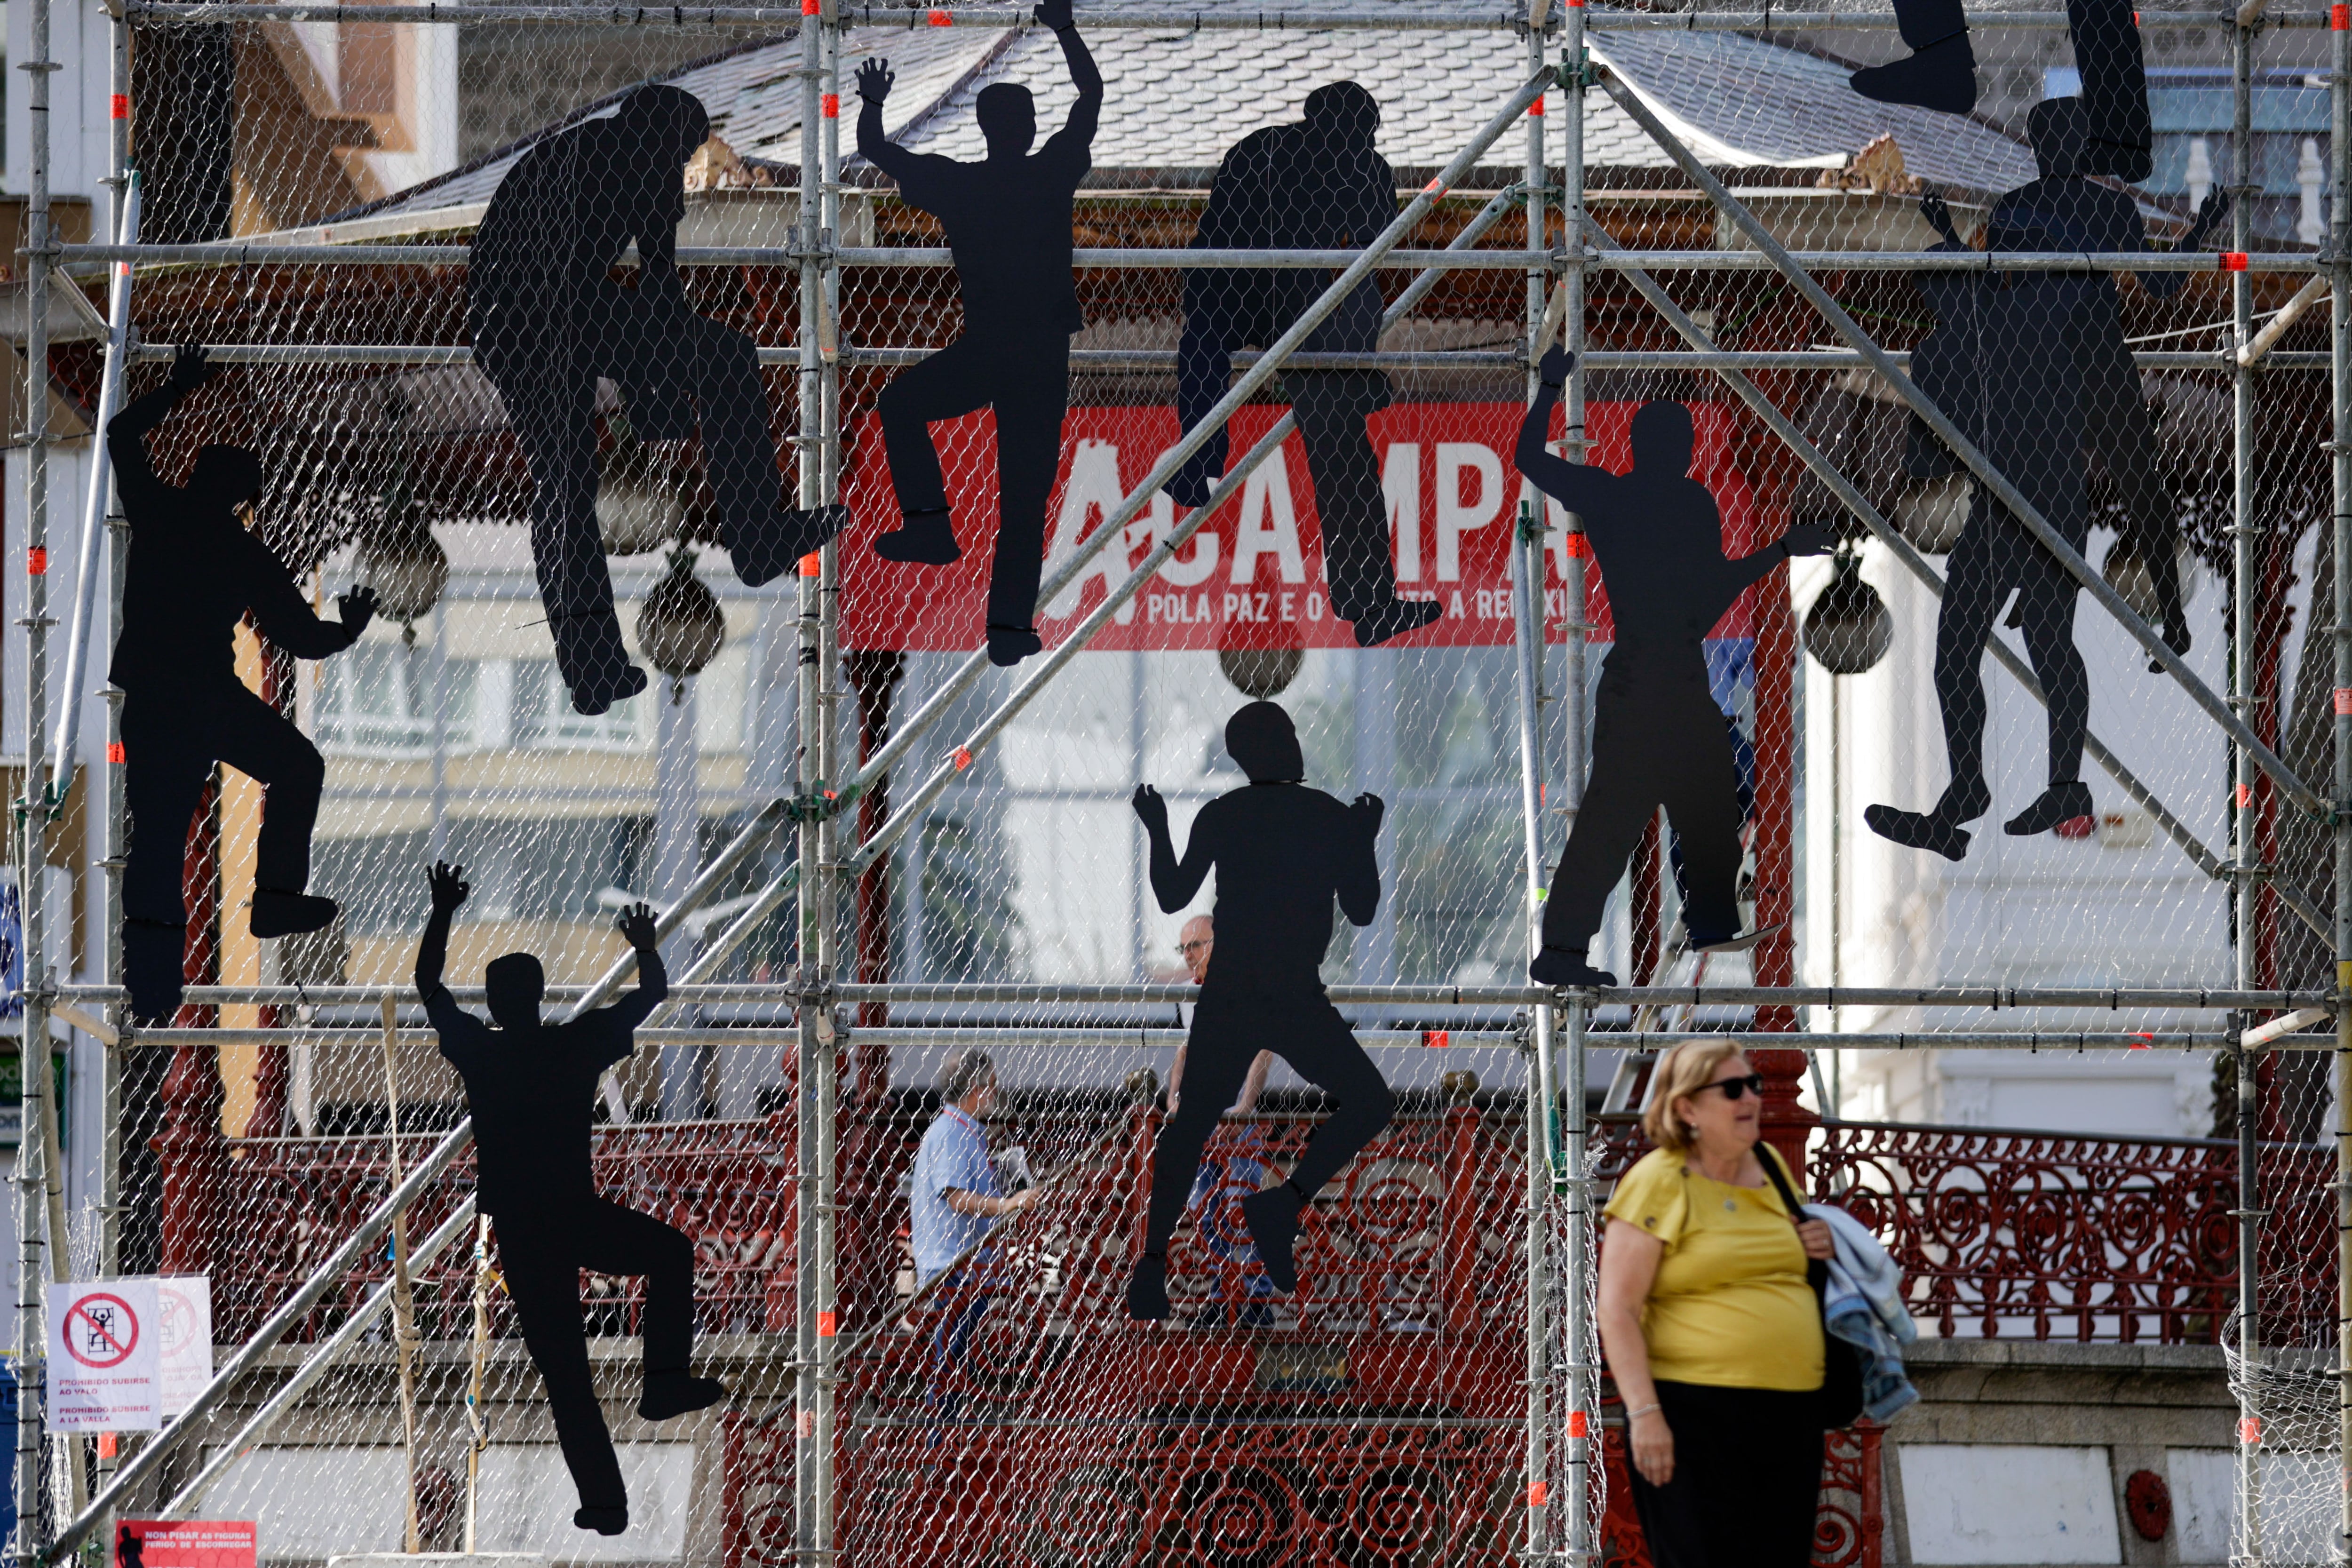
(101, 1331)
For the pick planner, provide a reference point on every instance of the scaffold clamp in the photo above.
(821, 803)
(1579, 74)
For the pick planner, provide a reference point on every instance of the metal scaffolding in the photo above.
(805, 1010)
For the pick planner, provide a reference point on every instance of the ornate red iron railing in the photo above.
(1374, 1416)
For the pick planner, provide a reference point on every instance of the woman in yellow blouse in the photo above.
(1711, 1328)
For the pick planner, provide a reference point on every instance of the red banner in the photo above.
(1253, 577)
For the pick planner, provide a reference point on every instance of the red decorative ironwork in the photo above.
(2046, 1235)
(1197, 1492)
(1387, 1392)
(725, 1184)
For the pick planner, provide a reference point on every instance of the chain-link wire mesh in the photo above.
(1004, 1408)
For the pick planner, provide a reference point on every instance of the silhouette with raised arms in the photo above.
(1658, 738)
(1940, 71)
(530, 1089)
(548, 320)
(1282, 852)
(1008, 220)
(2034, 368)
(1316, 185)
(194, 571)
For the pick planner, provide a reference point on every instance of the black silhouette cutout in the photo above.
(1282, 852)
(1940, 71)
(1658, 738)
(531, 1087)
(1008, 220)
(548, 320)
(2033, 367)
(130, 1548)
(1318, 184)
(194, 573)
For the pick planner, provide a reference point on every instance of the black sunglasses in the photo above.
(1733, 1088)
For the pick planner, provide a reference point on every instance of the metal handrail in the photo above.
(135, 1469)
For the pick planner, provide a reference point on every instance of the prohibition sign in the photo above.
(98, 1327)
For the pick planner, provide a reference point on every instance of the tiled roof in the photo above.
(1744, 101)
(1175, 100)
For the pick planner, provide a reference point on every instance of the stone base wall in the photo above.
(2022, 1451)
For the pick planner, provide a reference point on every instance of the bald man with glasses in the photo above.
(1237, 1165)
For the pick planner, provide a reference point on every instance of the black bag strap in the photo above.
(1816, 1271)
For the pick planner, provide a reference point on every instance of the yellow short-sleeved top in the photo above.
(1732, 1305)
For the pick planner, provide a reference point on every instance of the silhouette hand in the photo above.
(1151, 808)
(1366, 811)
(191, 367)
(637, 923)
(1808, 539)
(875, 80)
(1938, 216)
(449, 886)
(357, 607)
(2211, 213)
(1054, 14)
(1557, 363)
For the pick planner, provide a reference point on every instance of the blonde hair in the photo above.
(1682, 1070)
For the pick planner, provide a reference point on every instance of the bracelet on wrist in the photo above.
(1650, 1409)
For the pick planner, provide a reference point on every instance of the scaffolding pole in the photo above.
(779, 356)
(264, 252)
(1085, 1037)
(1577, 1261)
(33, 825)
(1220, 18)
(2116, 998)
(2246, 883)
(2339, 321)
(812, 1055)
(1526, 564)
(103, 796)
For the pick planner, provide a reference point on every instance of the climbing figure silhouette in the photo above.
(1318, 184)
(1282, 852)
(194, 571)
(1658, 738)
(1940, 71)
(2035, 369)
(548, 320)
(530, 1089)
(1008, 222)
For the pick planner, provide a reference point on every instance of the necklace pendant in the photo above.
(1731, 1205)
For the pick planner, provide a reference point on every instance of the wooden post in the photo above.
(865, 1257)
(403, 1305)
